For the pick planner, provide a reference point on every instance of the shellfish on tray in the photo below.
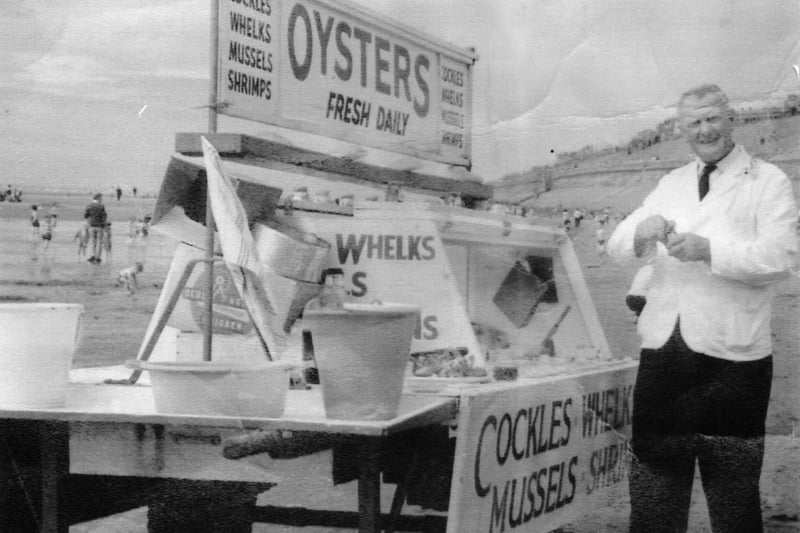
(446, 363)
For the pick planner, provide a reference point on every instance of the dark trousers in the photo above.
(96, 234)
(689, 407)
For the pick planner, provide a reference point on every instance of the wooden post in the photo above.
(369, 487)
(54, 441)
(212, 128)
(213, 54)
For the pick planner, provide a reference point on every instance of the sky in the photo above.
(551, 76)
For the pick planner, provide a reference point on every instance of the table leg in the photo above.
(54, 438)
(34, 467)
(400, 494)
(369, 488)
(6, 483)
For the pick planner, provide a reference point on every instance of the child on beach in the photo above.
(47, 233)
(107, 240)
(600, 237)
(35, 221)
(137, 240)
(577, 216)
(53, 214)
(82, 236)
(127, 276)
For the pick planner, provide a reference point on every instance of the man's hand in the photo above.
(689, 247)
(653, 228)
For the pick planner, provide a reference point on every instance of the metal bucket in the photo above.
(290, 252)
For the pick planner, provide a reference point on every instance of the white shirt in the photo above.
(750, 218)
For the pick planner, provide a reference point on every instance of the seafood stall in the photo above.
(507, 329)
(508, 392)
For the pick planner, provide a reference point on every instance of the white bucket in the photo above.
(37, 342)
(220, 389)
(362, 354)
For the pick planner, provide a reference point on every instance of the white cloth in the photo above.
(240, 253)
(750, 219)
(641, 281)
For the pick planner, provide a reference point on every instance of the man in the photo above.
(722, 229)
(95, 216)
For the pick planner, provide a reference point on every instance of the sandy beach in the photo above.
(115, 322)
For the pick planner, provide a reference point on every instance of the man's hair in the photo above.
(704, 90)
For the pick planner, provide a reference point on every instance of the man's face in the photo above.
(707, 125)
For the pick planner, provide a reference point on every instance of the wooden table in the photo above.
(114, 430)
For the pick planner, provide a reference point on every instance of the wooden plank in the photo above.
(134, 405)
(457, 224)
(304, 517)
(584, 299)
(225, 143)
(157, 451)
(460, 473)
(265, 153)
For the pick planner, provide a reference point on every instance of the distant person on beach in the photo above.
(577, 216)
(119, 193)
(600, 238)
(53, 214)
(95, 216)
(720, 231)
(134, 192)
(146, 225)
(107, 241)
(138, 229)
(35, 221)
(83, 238)
(131, 228)
(47, 232)
(128, 278)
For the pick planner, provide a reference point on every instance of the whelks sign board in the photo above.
(533, 457)
(400, 261)
(338, 71)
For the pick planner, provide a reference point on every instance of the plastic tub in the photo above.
(37, 342)
(223, 389)
(362, 353)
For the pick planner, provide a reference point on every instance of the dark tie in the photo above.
(702, 186)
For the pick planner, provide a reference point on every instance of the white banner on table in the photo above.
(532, 456)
